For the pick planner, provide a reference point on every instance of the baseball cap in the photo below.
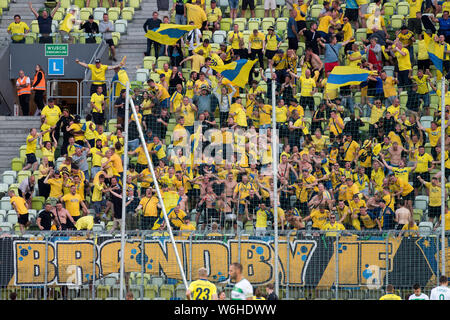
(271, 28)
(97, 60)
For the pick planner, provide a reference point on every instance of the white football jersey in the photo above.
(422, 296)
(440, 293)
(242, 290)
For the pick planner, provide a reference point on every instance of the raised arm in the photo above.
(33, 10)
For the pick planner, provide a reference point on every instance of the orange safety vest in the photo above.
(27, 89)
(41, 84)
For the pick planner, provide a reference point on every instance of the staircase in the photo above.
(134, 43)
(13, 134)
(21, 8)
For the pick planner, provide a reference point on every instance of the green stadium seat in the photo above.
(4, 4)
(65, 3)
(150, 291)
(267, 22)
(166, 291)
(22, 175)
(207, 34)
(315, 11)
(403, 8)
(148, 62)
(127, 13)
(30, 38)
(225, 24)
(115, 37)
(17, 164)
(241, 22)
(254, 23)
(361, 34)
(114, 13)
(85, 13)
(259, 11)
(34, 26)
(134, 4)
(79, 3)
(161, 61)
(389, 9)
(281, 24)
(397, 21)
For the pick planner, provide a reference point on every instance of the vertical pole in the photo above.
(387, 259)
(275, 182)
(288, 269)
(336, 254)
(93, 268)
(190, 255)
(443, 202)
(142, 265)
(46, 268)
(124, 192)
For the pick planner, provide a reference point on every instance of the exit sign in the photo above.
(54, 50)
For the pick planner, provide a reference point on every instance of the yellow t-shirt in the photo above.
(422, 85)
(319, 218)
(98, 73)
(97, 193)
(31, 145)
(324, 23)
(85, 223)
(261, 219)
(434, 136)
(213, 14)
(97, 100)
(195, 13)
(422, 162)
(404, 62)
(256, 41)
(72, 204)
(52, 115)
(307, 86)
(56, 186)
(67, 23)
(202, 290)
(197, 62)
(350, 149)
(390, 296)
(20, 204)
(18, 28)
(235, 42)
(434, 194)
(149, 206)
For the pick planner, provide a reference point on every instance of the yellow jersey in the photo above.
(202, 289)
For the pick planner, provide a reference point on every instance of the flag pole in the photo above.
(275, 182)
(443, 203)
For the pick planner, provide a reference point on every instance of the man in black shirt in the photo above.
(175, 78)
(149, 25)
(61, 126)
(91, 28)
(311, 37)
(119, 104)
(46, 217)
(161, 123)
(45, 22)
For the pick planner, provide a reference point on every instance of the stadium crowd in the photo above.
(352, 158)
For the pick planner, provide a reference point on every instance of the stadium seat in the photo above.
(5, 204)
(166, 291)
(425, 228)
(281, 24)
(127, 13)
(225, 24)
(417, 215)
(98, 13)
(259, 12)
(267, 22)
(159, 281)
(114, 13)
(121, 26)
(115, 37)
(403, 8)
(396, 21)
(148, 62)
(361, 34)
(161, 61)
(9, 177)
(103, 291)
(150, 291)
(254, 23)
(389, 9)
(219, 36)
(315, 11)
(142, 75)
(11, 217)
(85, 13)
(22, 175)
(241, 22)
(6, 226)
(134, 4)
(180, 292)
(207, 34)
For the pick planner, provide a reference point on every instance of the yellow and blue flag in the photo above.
(346, 76)
(168, 34)
(436, 53)
(237, 71)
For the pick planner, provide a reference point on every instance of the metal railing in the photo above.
(313, 264)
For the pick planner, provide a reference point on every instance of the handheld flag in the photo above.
(345, 76)
(168, 34)
(436, 53)
(237, 72)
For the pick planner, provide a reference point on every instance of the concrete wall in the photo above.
(7, 91)
(26, 56)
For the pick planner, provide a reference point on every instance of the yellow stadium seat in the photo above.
(127, 13)
(34, 26)
(281, 24)
(241, 22)
(225, 24)
(114, 13)
(389, 9)
(259, 11)
(148, 62)
(267, 22)
(85, 13)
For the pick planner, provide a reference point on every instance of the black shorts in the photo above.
(75, 218)
(248, 3)
(110, 42)
(351, 14)
(434, 212)
(424, 175)
(270, 53)
(23, 219)
(98, 118)
(212, 213)
(423, 64)
(31, 158)
(307, 101)
(283, 131)
(301, 25)
(409, 196)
